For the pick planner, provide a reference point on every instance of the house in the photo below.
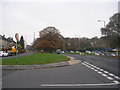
(6, 42)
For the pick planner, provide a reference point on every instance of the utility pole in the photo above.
(34, 37)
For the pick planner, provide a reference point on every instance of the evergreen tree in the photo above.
(22, 42)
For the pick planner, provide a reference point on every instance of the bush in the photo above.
(22, 51)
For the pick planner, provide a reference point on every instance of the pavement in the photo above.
(72, 61)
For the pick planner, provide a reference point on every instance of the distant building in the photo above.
(6, 42)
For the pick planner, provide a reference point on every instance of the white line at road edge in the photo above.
(72, 85)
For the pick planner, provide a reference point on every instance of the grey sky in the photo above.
(71, 18)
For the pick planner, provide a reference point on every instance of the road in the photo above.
(93, 72)
(110, 64)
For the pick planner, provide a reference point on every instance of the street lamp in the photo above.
(102, 21)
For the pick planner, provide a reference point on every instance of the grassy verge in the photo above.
(38, 58)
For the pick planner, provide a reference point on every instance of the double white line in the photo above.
(104, 73)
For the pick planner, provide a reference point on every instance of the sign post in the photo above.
(17, 39)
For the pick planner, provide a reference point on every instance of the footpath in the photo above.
(72, 61)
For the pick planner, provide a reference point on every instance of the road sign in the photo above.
(17, 36)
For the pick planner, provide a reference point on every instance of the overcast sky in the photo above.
(74, 18)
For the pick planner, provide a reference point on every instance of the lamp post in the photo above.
(102, 21)
(17, 39)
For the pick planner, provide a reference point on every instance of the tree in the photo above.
(84, 43)
(22, 42)
(50, 40)
(49, 30)
(112, 31)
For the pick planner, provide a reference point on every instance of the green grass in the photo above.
(38, 58)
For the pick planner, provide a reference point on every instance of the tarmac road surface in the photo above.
(93, 72)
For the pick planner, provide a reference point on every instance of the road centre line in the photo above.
(72, 85)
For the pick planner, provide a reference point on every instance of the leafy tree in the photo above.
(112, 32)
(50, 40)
(49, 30)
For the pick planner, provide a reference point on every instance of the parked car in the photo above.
(112, 54)
(58, 51)
(3, 53)
(97, 54)
(71, 51)
(89, 52)
(62, 52)
(77, 51)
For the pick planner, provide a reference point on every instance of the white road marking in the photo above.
(72, 85)
(117, 82)
(117, 77)
(85, 62)
(96, 70)
(92, 68)
(110, 78)
(104, 75)
(86, 65)
(91, 65)
(99, 72)
(102, 72)
(111, 74)
(106, 72)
